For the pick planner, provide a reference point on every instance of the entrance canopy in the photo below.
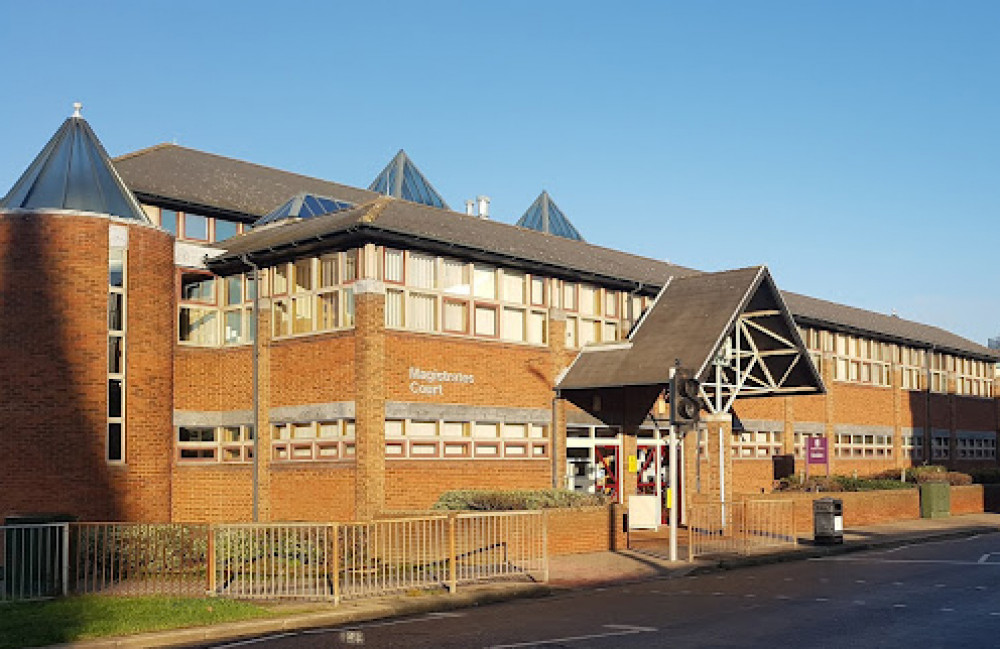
(731, 329)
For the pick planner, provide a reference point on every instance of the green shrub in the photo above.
(514, 500)
(844, 483)
(954, 478)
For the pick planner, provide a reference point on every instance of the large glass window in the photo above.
(195, 227)
(116, 354)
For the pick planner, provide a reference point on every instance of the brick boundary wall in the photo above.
(967, 500)
(587, 529)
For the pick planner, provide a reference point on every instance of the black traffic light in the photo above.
(685, 400)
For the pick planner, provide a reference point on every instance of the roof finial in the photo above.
(77, 106)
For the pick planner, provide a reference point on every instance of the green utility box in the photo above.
(935, 500)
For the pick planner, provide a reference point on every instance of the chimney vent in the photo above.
(470, 207)
(484, 206)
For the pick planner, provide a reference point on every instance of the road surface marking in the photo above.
(371, 625)
(241, 643)
(947, 610)
(859, 602)
(986, 557)
(899, 605)
(622, 631)
(947, 562)
(822, 599)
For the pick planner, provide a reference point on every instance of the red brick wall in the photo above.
(213, 494)
(53, 369)
(588, 529)
(213, 380)
(967, 500)
(505, 374)
(314, 369)
(417, 484)
(149, 378)
(860, 507)
(321, 492)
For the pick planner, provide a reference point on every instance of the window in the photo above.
(861, 360)
(198, 313)
(215, 443)
(940, 445)
(975, 445)
(756, 444)
(444, 439)
(440, 294)
(330, 440)
(115, 451)
(800, 442)
(225, 229)
(485, 278)
(195, 227)
(312, 295)
(911, 444)
(863, 445)
(168, 220)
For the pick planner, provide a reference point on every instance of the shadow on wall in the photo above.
(947, 413)
(53, 368)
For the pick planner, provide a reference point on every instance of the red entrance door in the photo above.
(607, 466)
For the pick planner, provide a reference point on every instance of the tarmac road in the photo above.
(941, 594)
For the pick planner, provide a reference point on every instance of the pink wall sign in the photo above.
(816, 450)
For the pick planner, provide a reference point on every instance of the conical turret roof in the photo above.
(73, 172)
(303, 206)
(402, 179)
(544, 216)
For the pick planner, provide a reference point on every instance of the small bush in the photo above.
(843, 483)
(492, 501)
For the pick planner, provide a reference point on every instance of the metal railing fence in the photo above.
(740, 527)
(34, 561)
(273, 560)
(139, 558)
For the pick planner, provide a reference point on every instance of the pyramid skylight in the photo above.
(402, 179)
(544, 216)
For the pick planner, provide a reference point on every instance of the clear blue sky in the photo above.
(852, 146)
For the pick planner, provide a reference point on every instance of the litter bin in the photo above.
(828, 521)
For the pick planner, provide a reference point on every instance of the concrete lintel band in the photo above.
(435, 411)
(855, 429)
(312, 412)
(762, 424)
(810, 427)
(201, 419)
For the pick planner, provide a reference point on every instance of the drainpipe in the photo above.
(552, 446)
(256, 384)
(928, 429)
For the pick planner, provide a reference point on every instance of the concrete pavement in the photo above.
(646, 561)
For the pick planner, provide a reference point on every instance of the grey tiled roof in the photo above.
(686, 325)
(187, 176)
(172, 173)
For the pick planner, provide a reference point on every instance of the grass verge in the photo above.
(34, 624)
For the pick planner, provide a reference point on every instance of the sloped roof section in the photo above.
(74, 172)
(174, 175)
(400, 223)
(304, 206)
(545, 216)
(218, 186)
(402, 179)
(738, 314)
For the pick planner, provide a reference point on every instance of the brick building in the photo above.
(403, 349)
